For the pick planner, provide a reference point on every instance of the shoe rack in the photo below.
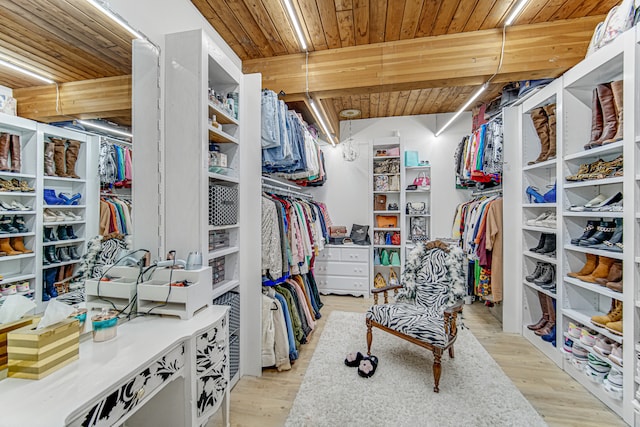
(34, 262)
(205, 210)
(578, 300)
(582, 299)
(395, 195)
(540, 218)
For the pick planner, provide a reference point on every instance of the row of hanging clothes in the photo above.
(294, 231)
(115, 164)
(290, 310)
(479, 156)
(478, 227)
(115, 215)
(289, 146)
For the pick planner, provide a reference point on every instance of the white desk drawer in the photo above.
(133, 393)
(354, 254)
(211, 347)
(211, 388)
(342, 269)
(329, 254)
(342, 283)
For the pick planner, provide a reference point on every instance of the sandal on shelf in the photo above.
(368, 366)
(353, 359)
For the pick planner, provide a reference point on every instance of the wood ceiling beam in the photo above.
(531, 51)
(86, 99)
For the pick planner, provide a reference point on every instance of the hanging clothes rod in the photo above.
(117, 141)
(121, 196)
(280, 184)
(487, 192)
(285, 191)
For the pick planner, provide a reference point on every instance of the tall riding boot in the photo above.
(541, 123)
(72, 157)
(610, 126)
(551, 118)
(4, 151)
(545, 313)
(616, 88)
(58, 156)
(546, 330)
(15, 148)
(50, 280)
(49, 166)
(596, 119)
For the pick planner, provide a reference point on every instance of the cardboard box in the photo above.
(5, 328)
(36, 353)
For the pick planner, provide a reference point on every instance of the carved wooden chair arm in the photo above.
(385, 291)
(450, 318)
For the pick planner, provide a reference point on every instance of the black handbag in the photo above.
(360, 234)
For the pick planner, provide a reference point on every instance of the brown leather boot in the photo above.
(609, 118)
(596, 119)
(17, 243)
(58, 156)
(551, 117)
(546, 330)
(14, 148)
(614, 314)
(71, 158)
(615, 286)
(600, 272)
(5, 246)
(49, 166)
(587, 268)
(4, 151)
(616, 88)
(545, 314)
(615, 274)
(541, 123)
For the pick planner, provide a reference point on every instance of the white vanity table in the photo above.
(156, 372)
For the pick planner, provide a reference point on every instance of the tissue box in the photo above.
(5, 328)
(36, 353)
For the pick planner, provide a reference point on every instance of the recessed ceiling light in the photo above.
(350, 113)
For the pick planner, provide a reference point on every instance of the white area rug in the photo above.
(474, 391)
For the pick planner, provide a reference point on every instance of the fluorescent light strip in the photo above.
(115, 18)
(463, 108)
(293, 17)
(325, 129)
(26, 72)
(515, 12)
(105, 128)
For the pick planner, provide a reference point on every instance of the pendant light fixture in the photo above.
(115, 18)
(512, 16)
(293, 17)
(25, 71)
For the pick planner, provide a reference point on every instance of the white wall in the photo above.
(346, 192)
(6, 91)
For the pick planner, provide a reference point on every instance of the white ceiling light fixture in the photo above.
(515, 12)
(293, 17)
(323, 125)
(105, 128)
(463, 108)
(26, 72)
(115, 18)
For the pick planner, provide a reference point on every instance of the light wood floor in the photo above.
(266, 401)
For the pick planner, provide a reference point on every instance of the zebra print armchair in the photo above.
(428, 301)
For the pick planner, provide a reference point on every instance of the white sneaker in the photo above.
(51, 216)
(19, 206)
(548, 221)
(534, 221)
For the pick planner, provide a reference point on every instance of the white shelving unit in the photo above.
(29, 267)
(394, 196)
(195, 66)
(577, 301)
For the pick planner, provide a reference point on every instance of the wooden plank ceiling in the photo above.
(259, 30)
(67, 41)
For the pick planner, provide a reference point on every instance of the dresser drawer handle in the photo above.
(220, 347)
(140, 394)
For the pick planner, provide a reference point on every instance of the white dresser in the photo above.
(160, 372)
(343, 270)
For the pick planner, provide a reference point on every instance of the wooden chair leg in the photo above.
(437, 369)
(369, 337)
(451, 352)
